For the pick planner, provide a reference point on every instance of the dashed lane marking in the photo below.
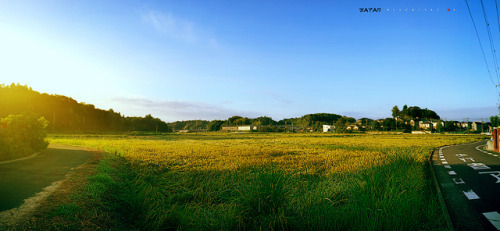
(446, 185)
(458, 180)
(452, 173)
(444, 162)
(447, 166)
(494, 218)
(478, 166)
(471, 195)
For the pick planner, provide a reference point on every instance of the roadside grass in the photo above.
(274, 182)
(95, 196)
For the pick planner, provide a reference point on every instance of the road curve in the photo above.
(23, 179)
(469, 179)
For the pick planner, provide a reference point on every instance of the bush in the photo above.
(21, 135)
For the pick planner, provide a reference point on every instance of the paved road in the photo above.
(23, 179)
(469, 178)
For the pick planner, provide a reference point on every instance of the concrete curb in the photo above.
(440, 194)
(20, 159)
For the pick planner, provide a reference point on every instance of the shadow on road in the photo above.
(23, 179)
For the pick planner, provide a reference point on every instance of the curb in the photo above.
(24, 158)
(440, 194)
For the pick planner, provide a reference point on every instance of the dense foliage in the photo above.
(66, 114)
(415, 112)
(21, 135)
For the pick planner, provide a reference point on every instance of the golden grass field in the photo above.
(277, 181)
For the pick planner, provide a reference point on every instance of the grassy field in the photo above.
(215, 181)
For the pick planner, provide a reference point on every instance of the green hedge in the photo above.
(22, 135)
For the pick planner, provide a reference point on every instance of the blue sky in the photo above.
(181, 60)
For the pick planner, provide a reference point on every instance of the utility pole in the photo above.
(196, 126)
(292, 128)
(396, 120)
(467, 125)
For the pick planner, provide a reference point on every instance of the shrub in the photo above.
(22, 135)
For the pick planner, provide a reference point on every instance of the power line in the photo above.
(498, 18)
(492, 45)
(480, 44)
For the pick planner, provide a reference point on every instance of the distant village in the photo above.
(409, 120)
(418, 127)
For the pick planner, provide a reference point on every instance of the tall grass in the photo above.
(274, 182)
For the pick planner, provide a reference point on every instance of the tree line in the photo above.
(65, 114)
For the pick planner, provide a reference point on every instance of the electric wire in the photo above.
(498, 16)
(492, 45)
(480, 45)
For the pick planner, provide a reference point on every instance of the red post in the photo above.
(495, 139)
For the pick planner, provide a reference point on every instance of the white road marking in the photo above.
(478, 166)
(471, 195)
(461, 155)
(458, 180)
(444, 162)
(495, 174)
(494, 218)
(466, 159)
(452, 173)
(446, 185)
(447, 166)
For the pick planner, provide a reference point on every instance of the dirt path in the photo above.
(24, 183)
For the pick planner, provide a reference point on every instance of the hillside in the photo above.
(67, 115)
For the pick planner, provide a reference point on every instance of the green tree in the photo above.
(439, 126)
(341, 125)
(215, 125)
(388, 124)
(375, 125)
(395, 111)
(495, 121)
(22, 134)
(449, 126)
(263, 120)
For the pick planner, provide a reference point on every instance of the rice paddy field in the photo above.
(215, 181)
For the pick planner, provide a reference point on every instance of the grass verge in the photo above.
(94, 196)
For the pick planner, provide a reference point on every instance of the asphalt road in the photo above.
(469, 178)
(23, 179)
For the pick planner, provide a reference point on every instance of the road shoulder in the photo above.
(57, 193)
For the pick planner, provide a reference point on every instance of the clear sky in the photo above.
(181, 60)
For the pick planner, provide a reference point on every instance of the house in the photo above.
(352, 127)
(229, 128)
(434, 124)
(425, 125)
(478, 126)
(328, 128)
(247, 128)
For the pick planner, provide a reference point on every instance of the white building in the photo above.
(328, 128)
(247, 128)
